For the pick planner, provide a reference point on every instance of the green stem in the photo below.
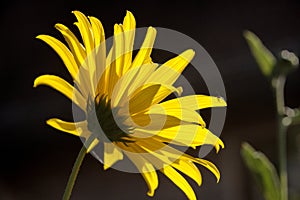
(282, 130)
(76, 168)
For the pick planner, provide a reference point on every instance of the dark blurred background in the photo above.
(36, 160)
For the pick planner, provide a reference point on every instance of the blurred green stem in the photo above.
(279, 83)
(76, 167)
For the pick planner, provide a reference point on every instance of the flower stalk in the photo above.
(76, 168)
(278, 85)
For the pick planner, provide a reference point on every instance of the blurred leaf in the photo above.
(263, 171)
(262, 55)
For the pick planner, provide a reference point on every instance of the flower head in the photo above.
(122, 99)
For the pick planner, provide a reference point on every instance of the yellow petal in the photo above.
(156, 121)
(85, 28)
(115, 60)
(181, 113)
(100, 53)
(119, 44)
(63, 52)
(87, 35)
(83, 83)
(150, 178)
(171, 70)
(186, 135)
(143, 56)
(129, 82)
(120, 92)
(176, 178)
(157, 152)
(149, 95)
(170, 155)
(142, 76)
(97, 30)
(194, 102)
(77, 50)
(63, 87)
(162, 155)
(75, 128)
(188, 168)
(129, 33)
(112, 154)
(209, 165)
(129, 21)
(146, 169)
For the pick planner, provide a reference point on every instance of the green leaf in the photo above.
(263, 171)
(262, 55)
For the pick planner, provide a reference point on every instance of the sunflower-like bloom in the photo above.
(122, 101)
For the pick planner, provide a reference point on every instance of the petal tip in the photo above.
(39, 37)
(129, 13)
(152, 29)
(49, 122)
(105, 167)
(150, 193)
(36, 82)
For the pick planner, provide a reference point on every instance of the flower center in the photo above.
(101, 114)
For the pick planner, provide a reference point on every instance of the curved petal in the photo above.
(129, 33)
(115, 60)
(88, 37)
(210, 166)
(150, 178)
(86, 33)
(145, 167)
(119, 44)
(85, 28)
(97, 30)
(172, 69)
(186, 135)
(75, 128)
(77, 49)
(176, 178)
(194, 102)
(189, 169)
(63, 52)
(170, 156)
(100, 54)
(143, 56)
(174, 155)
(63, 87)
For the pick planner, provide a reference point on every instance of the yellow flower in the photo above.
(122, 100)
